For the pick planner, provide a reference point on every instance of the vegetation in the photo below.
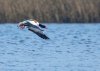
(50, 10)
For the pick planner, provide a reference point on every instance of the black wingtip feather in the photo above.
(45, 37)
(40, 34)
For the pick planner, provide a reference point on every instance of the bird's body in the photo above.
(34, 26)
(34, 22)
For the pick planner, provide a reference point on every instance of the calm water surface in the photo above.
(74, 47)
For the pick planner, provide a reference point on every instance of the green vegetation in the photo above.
(50, 10)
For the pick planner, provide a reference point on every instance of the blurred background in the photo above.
(50, 10)
(72, 47)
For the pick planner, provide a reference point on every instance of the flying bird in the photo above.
(34, 26)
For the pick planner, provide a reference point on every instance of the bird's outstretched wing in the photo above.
(38, 31)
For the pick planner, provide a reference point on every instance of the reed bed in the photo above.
(50, 10)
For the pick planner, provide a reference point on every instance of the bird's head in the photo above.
(21, 25)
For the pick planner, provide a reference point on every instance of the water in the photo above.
(74, 47)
